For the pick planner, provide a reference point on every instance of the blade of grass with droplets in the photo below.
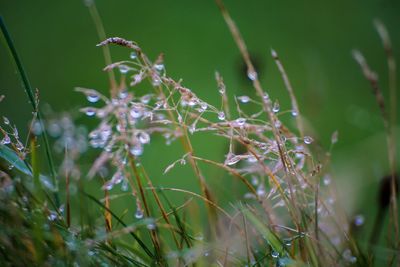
(31, 96)
(12, 158)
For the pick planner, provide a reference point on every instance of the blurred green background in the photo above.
(56, 41)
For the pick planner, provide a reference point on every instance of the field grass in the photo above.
(279, 206)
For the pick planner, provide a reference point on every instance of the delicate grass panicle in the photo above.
(288, 216)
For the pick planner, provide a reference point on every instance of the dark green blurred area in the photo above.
(56, 41)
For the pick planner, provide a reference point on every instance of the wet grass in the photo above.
(288, 215)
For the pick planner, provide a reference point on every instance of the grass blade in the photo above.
(143, 245)
(31, 96)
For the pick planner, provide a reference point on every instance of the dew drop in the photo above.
(52, 216)
(37, 128)
(252, 159)
(93, 98)
(136, 112)
(232, 159)
(275, 254)
(203, 105)
(117, 178)
(276, 107)
(308, 140)
(145, 99)
(359, 220)
(222, 89)
(133, 55)
(151, 226)
(159, 67)
(244, 99)
(139, 213)
(192, 128)
(261, 190)
(327, 180)
(6, 121)
(294, 113)
(90, 112)
(123, 94)
(19, 146)
(252, 75)
(221, 115)
(108, 186)
(287, 242)
(6, 140)
(136, 150)
(240, 121)
(143, 137)
(123, 69)
(156, 81)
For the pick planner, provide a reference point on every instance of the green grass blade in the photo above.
(141, 243)
(272, 239)
(12, 158)
(31, 96)
(181, 226)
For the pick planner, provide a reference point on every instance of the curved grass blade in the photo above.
(12, 158)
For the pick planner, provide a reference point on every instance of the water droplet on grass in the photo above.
(145, 99)
(52, 216)
(93, 98)
(90, 112)
(6, 121)
(123, 94)
(240, 121)
(133, 55)
(159, 67)
(252, 75)
(221, 115)
(326, 180)
(136, 112)
(203, 106)
(275, 254)
(359, 220)
(151, 226)
(222, 89)
(276, 107)
(136, 150)
(232, 159)
(244, 99)
(6, 140)
(143, 137)
(308, 140)
(139, 214)
(123, 69)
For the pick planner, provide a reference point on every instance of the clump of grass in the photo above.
(289, 215)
